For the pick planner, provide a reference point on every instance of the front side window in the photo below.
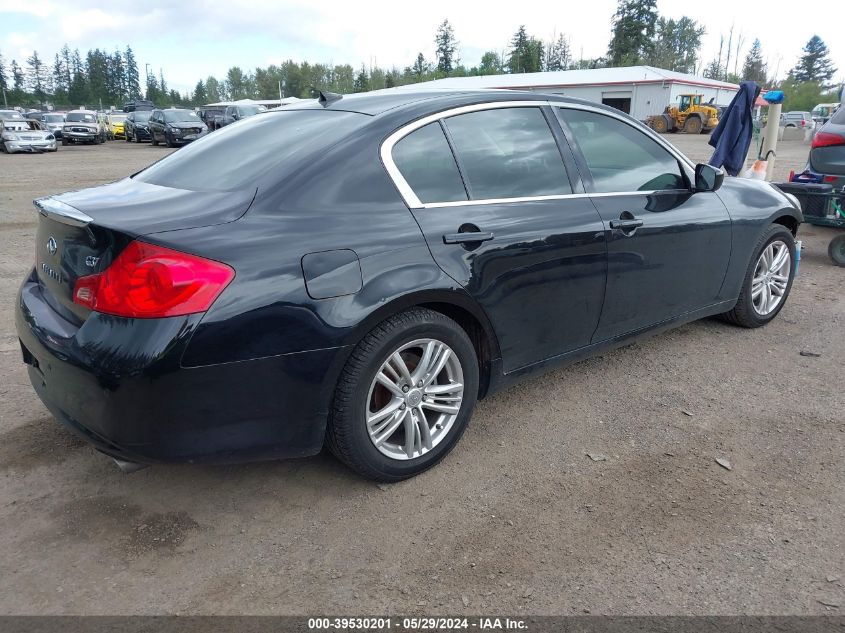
(508, 153)
(426, 162)
(620, 157)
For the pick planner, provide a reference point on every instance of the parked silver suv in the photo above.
(797, 119)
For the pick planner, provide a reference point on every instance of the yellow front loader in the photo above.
(688, 116)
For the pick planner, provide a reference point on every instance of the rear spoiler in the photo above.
(61, 212)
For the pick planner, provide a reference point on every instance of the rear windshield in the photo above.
(236, 156)
(142, 115)
(54, 118)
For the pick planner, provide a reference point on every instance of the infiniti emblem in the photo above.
(52, 246)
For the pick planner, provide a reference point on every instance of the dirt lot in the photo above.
(517, 520)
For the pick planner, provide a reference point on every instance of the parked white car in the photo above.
(26, 135)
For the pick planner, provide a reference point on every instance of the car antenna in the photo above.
(328, 97)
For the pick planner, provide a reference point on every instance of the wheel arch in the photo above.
(789, 221)
(458, 306)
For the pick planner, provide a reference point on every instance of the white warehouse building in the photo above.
(638, 90)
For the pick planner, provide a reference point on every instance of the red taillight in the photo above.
(826, 139)
(148, 281)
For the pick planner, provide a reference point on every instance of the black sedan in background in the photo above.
(175, 127)
(358, 271)
(136, 127)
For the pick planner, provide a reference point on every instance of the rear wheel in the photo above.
(405, 396)
(836, 250)
(768, 280)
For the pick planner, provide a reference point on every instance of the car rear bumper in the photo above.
(119, 384)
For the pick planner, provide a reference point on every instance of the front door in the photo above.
(668, 247)
(499, 218)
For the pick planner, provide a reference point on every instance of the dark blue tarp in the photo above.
(732, 136)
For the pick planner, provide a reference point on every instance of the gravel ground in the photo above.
(519, 519)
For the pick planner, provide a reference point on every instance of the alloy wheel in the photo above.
(414, 399)
(771, 277)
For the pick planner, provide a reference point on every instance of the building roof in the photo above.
(563, 78)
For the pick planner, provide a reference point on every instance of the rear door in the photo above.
(490, 189)
(668, 247)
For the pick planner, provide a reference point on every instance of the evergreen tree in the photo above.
(634, 27)
(78, 91)
(446, 47)
(815, 64)
(36, 77)
(714, 70)
(60, 81)
(200, 95)
(420, 68)
(4, 80)
(754, 68)
(526, 55)
(362, 82)
(133, 81)
(558, 55)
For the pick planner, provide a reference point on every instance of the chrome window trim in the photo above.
(414, 202)
(61, 212)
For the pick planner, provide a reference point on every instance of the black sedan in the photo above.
(175, 127)
(137, 126)
(358, 271)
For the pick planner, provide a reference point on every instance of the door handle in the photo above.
(626, 225)
(470, 237)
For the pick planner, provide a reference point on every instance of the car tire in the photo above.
(153, 139)
(747, 312)
(416, 336)
(693, 125)
(836, 250)
(65, 142)
(168, 141)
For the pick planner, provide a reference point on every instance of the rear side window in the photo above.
(621, 158)
(508, 153)
(839, 116)
(427, 164)
(236, 156)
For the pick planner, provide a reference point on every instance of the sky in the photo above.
(191, 39)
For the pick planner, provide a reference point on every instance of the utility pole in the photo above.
(5, 103)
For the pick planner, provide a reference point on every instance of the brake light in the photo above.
(826, 139)
(148, 281)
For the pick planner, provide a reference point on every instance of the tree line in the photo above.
(639, 35)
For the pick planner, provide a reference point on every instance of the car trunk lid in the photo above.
(81, 233)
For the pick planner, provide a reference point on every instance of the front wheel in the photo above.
(836, 250)
(767, 281)
(405, 396)
(153, 139)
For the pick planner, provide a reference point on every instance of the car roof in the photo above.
(381, 101)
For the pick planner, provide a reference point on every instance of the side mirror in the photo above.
(708, 178)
